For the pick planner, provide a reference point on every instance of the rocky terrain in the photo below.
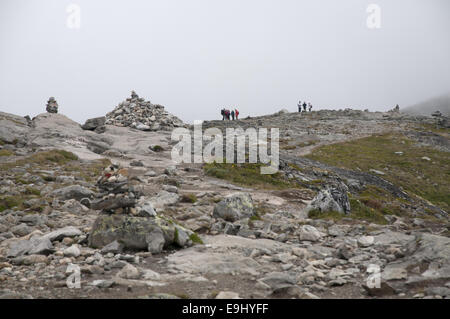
(359, 196)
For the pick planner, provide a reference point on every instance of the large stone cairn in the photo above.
(137, 113)
(52, 105)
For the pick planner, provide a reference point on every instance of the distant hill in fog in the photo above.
(441, 103)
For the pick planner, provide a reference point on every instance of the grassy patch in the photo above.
(361, 211)
(288, 147)
(426, 179)
(89, 171)
(6, 153)
(260, 210)
(331, 215)
(32, 191)
(433, 128)
(157, 148)
(188, 198)
(173, 182)
(21, 181)
(9, 202)
(248, 175)
(55, 156)
(307, 143)
(196, 239)
(296, 167)
(44, 158)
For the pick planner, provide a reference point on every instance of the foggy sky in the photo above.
(197, 56)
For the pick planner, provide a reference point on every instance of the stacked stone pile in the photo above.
(52, 105)
(137, 113)
(129, 219)
(117, 195)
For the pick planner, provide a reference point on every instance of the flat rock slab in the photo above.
(223, 254)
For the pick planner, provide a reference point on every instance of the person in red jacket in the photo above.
(236, 112)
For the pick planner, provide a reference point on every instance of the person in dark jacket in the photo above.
(232, 115)
(304, 106)
(222, 112)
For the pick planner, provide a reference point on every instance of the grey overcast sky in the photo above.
(197, 56)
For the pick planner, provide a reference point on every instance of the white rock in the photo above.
(129, 272)
(308, 232)
(72, 251)
(366, 241)
(227, 295)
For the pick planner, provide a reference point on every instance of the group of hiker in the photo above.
(227, 115)
(304, 105)
(234, 114)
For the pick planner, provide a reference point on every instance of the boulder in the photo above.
(227, 295)
(129, 272)
(234, 207)
(164, 198)
(98, 147)
(310, 233)
(34, 246)
(111, 203)
(145, 209)
(94, 123)
(134, 233)
(279, 280)
(333, 198)
(72, 192)
(143, 127)
(61, 233)
(21, 230)
(115, 247)
(72, 251)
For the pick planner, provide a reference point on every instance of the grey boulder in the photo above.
(33, 246)
(333, 198)
(72, 192)
(135, 233)
(234, 207)
(92, 124)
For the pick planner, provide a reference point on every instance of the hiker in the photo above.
(310, 106)
(299, 105)
(304, 106)
(227, 114)
(232, 114)
(223, 114)
(236, 112)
